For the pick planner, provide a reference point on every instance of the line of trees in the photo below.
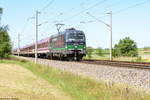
(5, 42)
(125, 47)
(98, 51)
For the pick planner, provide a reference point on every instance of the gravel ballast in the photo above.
(130, 76)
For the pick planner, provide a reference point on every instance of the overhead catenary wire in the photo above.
(77, 7)
(62, 13)
(93, 6)
(98, 19)
(123, 9)
(96, 4)
(33, 17)
(85, 2)
(24, 27)
(108, 6)
(45, 7)
(54, 17)
(132, 6)
(26, 23)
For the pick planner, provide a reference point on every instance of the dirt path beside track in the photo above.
(17, 82)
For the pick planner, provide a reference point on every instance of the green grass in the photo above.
(81, 88)
(144, 56)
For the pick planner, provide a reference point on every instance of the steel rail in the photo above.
(141, 65)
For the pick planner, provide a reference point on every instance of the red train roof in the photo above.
(39, 42)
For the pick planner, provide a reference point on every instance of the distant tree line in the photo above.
(125, 47)
(98, 51)
(146, 48)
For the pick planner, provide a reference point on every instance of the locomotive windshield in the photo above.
(75, 37)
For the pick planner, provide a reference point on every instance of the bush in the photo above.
(125, 47)
(139, 59)
(99, 51)
(89, 52)
(5, 44)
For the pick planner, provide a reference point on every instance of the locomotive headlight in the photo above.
(66, 46)
(75, 46)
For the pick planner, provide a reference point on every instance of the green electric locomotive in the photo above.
(69, 44)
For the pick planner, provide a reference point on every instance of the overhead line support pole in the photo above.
(110, 26)
(18, 44)
(0, 19)
(110, 35)
(36, 40)
(1, 11)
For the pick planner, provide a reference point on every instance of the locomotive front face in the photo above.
(69, 45)
(75, 42)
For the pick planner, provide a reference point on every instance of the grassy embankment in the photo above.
(81, 88)
(21, 84)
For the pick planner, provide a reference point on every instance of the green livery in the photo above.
(70, 44)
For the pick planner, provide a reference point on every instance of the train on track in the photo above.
(67, 45)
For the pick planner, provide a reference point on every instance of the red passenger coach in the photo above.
(29, 50)
(43, 46)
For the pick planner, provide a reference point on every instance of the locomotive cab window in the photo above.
(75, 36)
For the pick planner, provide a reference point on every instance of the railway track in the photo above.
(141, 65)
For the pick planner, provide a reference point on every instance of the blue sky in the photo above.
(133, 22)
